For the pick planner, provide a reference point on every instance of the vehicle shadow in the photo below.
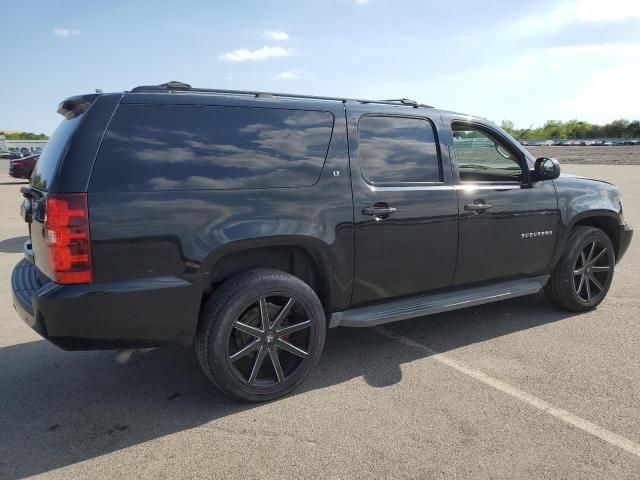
(17, 182)
(58, 408)
(13, 245)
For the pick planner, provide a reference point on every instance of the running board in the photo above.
(413, 307)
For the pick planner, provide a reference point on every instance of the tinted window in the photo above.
(483, 158)
(179, 147)
(50, 157)
(398, 150)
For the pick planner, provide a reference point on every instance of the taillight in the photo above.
(68, 238)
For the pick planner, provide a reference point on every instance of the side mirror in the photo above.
(546, 169)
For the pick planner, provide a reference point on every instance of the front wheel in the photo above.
(260, 335)
(583, 275)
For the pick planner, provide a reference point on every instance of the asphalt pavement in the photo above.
(516, 389)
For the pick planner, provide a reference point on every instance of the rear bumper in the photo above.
(626, 233)
(125, 314)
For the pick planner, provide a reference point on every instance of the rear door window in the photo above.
(184, 147)
(398, 150)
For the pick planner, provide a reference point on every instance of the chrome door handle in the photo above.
(477, 207)
(378, 211)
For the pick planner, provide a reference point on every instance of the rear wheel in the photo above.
(583, 276)
(261, 333)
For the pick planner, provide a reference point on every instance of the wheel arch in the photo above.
(608, 223)
(304, 257)
(606, 220)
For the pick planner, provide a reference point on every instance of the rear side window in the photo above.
(398, 150)
(50, 157)
(183, 147)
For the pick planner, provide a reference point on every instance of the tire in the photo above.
(576, 284)
(236, 348)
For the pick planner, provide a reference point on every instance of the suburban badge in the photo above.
(544, 233)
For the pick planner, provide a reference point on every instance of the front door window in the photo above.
(483, 158)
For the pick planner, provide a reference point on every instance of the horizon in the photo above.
(513, 130)
(546, 60)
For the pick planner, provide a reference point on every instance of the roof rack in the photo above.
(178, 87)
(403, 101)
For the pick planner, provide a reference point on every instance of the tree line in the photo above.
(24, 136)
(575, 129)
(572, 129)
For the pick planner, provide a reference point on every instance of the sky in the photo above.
(526, 61)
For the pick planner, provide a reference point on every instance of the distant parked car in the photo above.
(22, 167)
(5, 155)
(16, 154)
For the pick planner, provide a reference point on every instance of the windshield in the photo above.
(47, 164)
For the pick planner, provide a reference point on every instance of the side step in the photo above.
(413, 307)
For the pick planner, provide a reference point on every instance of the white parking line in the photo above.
(567, 417)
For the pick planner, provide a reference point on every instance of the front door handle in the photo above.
(477, 207)
(379, 211)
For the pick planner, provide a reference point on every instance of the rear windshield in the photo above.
(186, 147)
(52, 153)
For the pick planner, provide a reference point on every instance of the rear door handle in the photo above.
(478, 207)
(378, 211)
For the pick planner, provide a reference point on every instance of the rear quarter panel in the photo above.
(184, 233)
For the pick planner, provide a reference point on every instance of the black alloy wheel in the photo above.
(583, 275)
(593, 269)
(260, 334)
(269, 340)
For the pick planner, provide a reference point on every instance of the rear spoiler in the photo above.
(75, 106)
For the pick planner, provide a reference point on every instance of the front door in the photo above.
(405, 204)
(508, 225)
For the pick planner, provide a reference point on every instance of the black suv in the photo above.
(246, 223)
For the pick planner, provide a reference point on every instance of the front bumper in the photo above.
(626, 233)
(123, 314)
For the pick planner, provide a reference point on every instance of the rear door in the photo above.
(507, 223)
(405, 208)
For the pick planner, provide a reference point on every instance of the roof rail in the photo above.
(403, 101)
(180, 87)
(172, 85)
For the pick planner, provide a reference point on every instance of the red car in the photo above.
(22, 167)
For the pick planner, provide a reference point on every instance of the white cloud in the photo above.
(244, 54)
(65, 32)
(609, 11)
(289, 75)
(593, 82)
(607, 50)
(578, 11)
(276, 35)
(361, 2)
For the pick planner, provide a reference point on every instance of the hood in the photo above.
(571, 175)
